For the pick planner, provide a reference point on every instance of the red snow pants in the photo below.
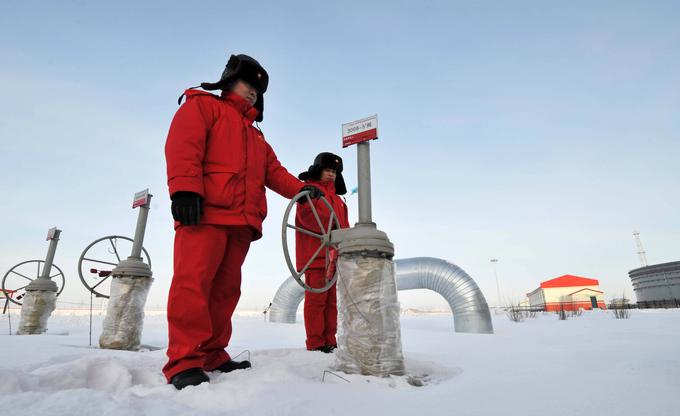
(321, 311)
(205, 289)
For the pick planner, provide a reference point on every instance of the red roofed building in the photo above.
(567, 292)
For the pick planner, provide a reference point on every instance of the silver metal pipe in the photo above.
(286, 302)
(467, 302)
(138, 242)
(49, 259)
(468, 305)
(364, 175)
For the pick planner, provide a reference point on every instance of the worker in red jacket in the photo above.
(218, 166)
(320, 310)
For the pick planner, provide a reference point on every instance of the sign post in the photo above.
(360, 132)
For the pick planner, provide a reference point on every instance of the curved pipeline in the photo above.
(470, 310)
(286, 302)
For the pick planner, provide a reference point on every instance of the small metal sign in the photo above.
(51, 233)
(360, 131)
(141, 198)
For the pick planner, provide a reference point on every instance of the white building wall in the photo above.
(562, 294)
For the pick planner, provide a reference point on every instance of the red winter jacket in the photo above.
(306, 245)
(214, 150)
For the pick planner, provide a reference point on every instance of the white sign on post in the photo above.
(50, 233)
(360, 131)
(141, 198)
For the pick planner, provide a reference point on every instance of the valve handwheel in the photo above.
(99, 258)
(324, 241)
(21, 275)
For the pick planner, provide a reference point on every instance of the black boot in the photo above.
(325, 349)
(190, 377)
(231, 365)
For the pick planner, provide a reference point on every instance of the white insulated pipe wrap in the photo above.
(369, 334)
(122, 327)
(35, 311)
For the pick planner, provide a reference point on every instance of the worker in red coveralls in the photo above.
(218, 165)
(320, 310)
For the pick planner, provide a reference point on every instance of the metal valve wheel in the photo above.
(99, 259)
(16, 280)
(324, 241)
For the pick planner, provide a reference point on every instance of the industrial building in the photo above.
(657, 286)
(567, 293)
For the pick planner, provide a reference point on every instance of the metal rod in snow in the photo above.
(91, 294)
(49, 259)
(9, 315)
(364, 172)
(141, 229)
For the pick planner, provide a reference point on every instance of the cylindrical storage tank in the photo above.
(657, 286)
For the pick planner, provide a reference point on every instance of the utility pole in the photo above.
(498, 287)
(641, 251)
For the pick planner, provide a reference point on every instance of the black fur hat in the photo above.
(247, 69)
(323, 161)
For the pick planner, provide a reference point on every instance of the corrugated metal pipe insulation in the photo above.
(468, 305)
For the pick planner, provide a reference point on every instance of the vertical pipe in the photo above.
(364, 173)
(49, 259)
(141, 228)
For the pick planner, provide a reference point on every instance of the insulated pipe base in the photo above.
(36, 310)
(125, 313)
(369, 334)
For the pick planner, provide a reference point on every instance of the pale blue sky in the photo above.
(540, 133)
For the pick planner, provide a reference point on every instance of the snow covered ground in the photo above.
(592, 364)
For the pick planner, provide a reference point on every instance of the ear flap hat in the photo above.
(323, 161)
(245, 68)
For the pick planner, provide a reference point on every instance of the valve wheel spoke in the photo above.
(27, 278)
(100, 261)
(316, 214)
(311, 259)
(101, 281)
(115, 251)
(330, 222)
(305, 231)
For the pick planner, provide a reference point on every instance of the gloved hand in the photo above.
(187, 207)
(314, 192)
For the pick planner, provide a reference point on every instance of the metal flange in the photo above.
(132, 267)
(363, 239)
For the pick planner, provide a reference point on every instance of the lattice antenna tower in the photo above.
(641, 251)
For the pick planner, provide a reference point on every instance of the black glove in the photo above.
(187, 207)
(314, 192)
